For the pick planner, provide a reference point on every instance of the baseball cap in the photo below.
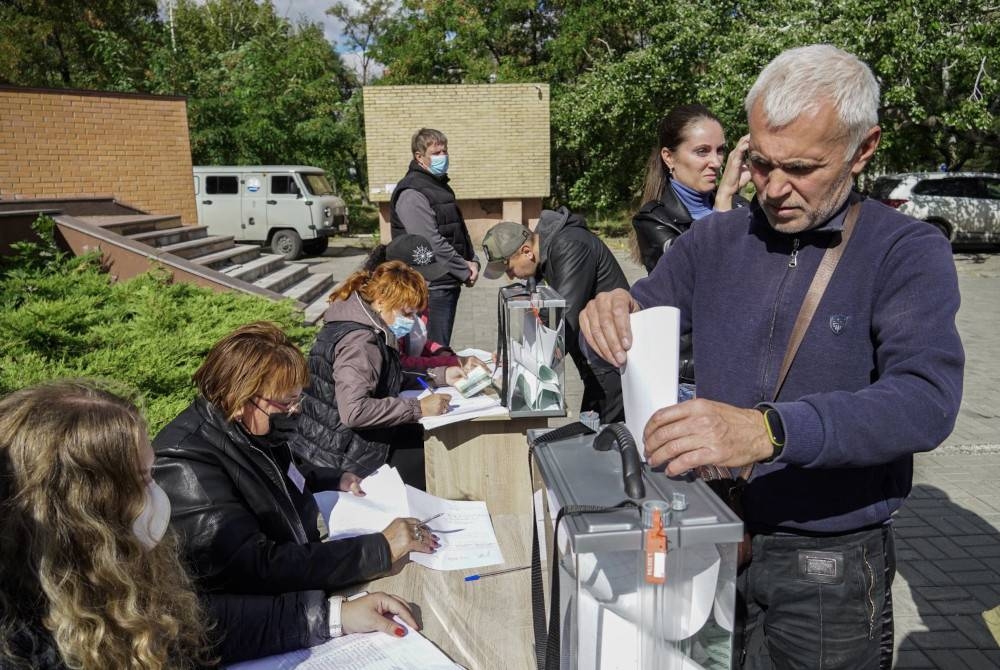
(415, 251)
(500, 243)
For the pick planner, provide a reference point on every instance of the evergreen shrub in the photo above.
(63, 316)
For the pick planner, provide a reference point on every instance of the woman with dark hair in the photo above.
(683, 185)
(245, 508)
(353, 417)
(682, 181)
(89, 574)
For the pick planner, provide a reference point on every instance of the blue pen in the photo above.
(425, 384)
(474, 578)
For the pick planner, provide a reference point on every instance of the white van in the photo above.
(292, 208)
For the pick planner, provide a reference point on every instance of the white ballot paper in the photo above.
(460, 408)
(367, 651)
(649, 378)
(464, 528)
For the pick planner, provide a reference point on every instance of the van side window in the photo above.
(284, 185)
(222, 185)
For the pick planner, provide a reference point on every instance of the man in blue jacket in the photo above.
(877, 378)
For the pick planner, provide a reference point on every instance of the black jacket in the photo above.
(250, 536)
(659, 222)
(578, 265)
(450, 222)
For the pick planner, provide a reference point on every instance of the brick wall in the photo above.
(83, 143)
(498, 136)
(498, 146)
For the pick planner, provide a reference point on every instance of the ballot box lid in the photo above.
(577, 474)
(517, 297)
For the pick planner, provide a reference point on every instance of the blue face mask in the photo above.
(402, 326)
(439, 164)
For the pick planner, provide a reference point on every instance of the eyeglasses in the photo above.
(287, 407)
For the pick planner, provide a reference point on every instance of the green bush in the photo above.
(62, 316)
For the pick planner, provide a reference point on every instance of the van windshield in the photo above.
(318, 184)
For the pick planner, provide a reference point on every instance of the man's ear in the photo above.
(866, 150)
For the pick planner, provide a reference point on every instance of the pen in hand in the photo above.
(431, 518)
(424, 383)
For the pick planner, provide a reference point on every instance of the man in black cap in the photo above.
(578, 266)
(423, 204)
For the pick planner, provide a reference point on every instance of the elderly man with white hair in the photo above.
(817, 395)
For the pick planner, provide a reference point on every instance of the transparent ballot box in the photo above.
(532, 350)
(650, 585)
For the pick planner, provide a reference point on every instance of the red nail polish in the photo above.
(400, 632)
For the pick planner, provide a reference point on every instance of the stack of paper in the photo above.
(460, 408)
(464, 527)
(475, 381)
(368, 651)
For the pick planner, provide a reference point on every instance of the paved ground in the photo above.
(947, 533)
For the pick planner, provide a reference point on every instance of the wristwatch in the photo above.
(775, 431)
(336, 603)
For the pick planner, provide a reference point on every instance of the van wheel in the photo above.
(286, 243)
(316, 247)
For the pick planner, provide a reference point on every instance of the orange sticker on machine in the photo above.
(656, 551)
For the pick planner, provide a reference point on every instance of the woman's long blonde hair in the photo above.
(393, 283)
(71, 484)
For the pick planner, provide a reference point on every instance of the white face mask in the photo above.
(151, 524)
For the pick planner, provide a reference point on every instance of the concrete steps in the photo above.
(242, 262)
(131, 224)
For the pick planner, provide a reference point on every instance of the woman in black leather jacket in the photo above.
(683, 185)
(244, 508)
(682, 181)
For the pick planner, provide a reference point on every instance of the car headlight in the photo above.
(326, 212)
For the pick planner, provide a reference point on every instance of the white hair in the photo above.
(799, 79)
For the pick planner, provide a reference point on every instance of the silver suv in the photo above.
(964, 206)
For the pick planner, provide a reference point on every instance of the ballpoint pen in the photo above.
(431, 518)
(425, 384)
(476, 577)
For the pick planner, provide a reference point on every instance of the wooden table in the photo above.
(482, 625)
(482, 459)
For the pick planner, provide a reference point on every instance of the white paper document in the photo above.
(649, 378)
(464, 528)
(384, 500)
(460, 408)
(360, 651)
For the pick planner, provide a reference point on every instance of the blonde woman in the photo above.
(244, 506)
(89, 575)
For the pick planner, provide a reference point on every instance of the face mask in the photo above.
(402, 326)
(439, 164)
(151, 524)
(284, 427)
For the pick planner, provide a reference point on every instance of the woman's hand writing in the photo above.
(434, 404)
(408, 534)
(374, 612)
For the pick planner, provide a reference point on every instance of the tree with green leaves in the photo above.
(260, 89)
(102, 44)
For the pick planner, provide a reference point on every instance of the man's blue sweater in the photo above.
(877, 378)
